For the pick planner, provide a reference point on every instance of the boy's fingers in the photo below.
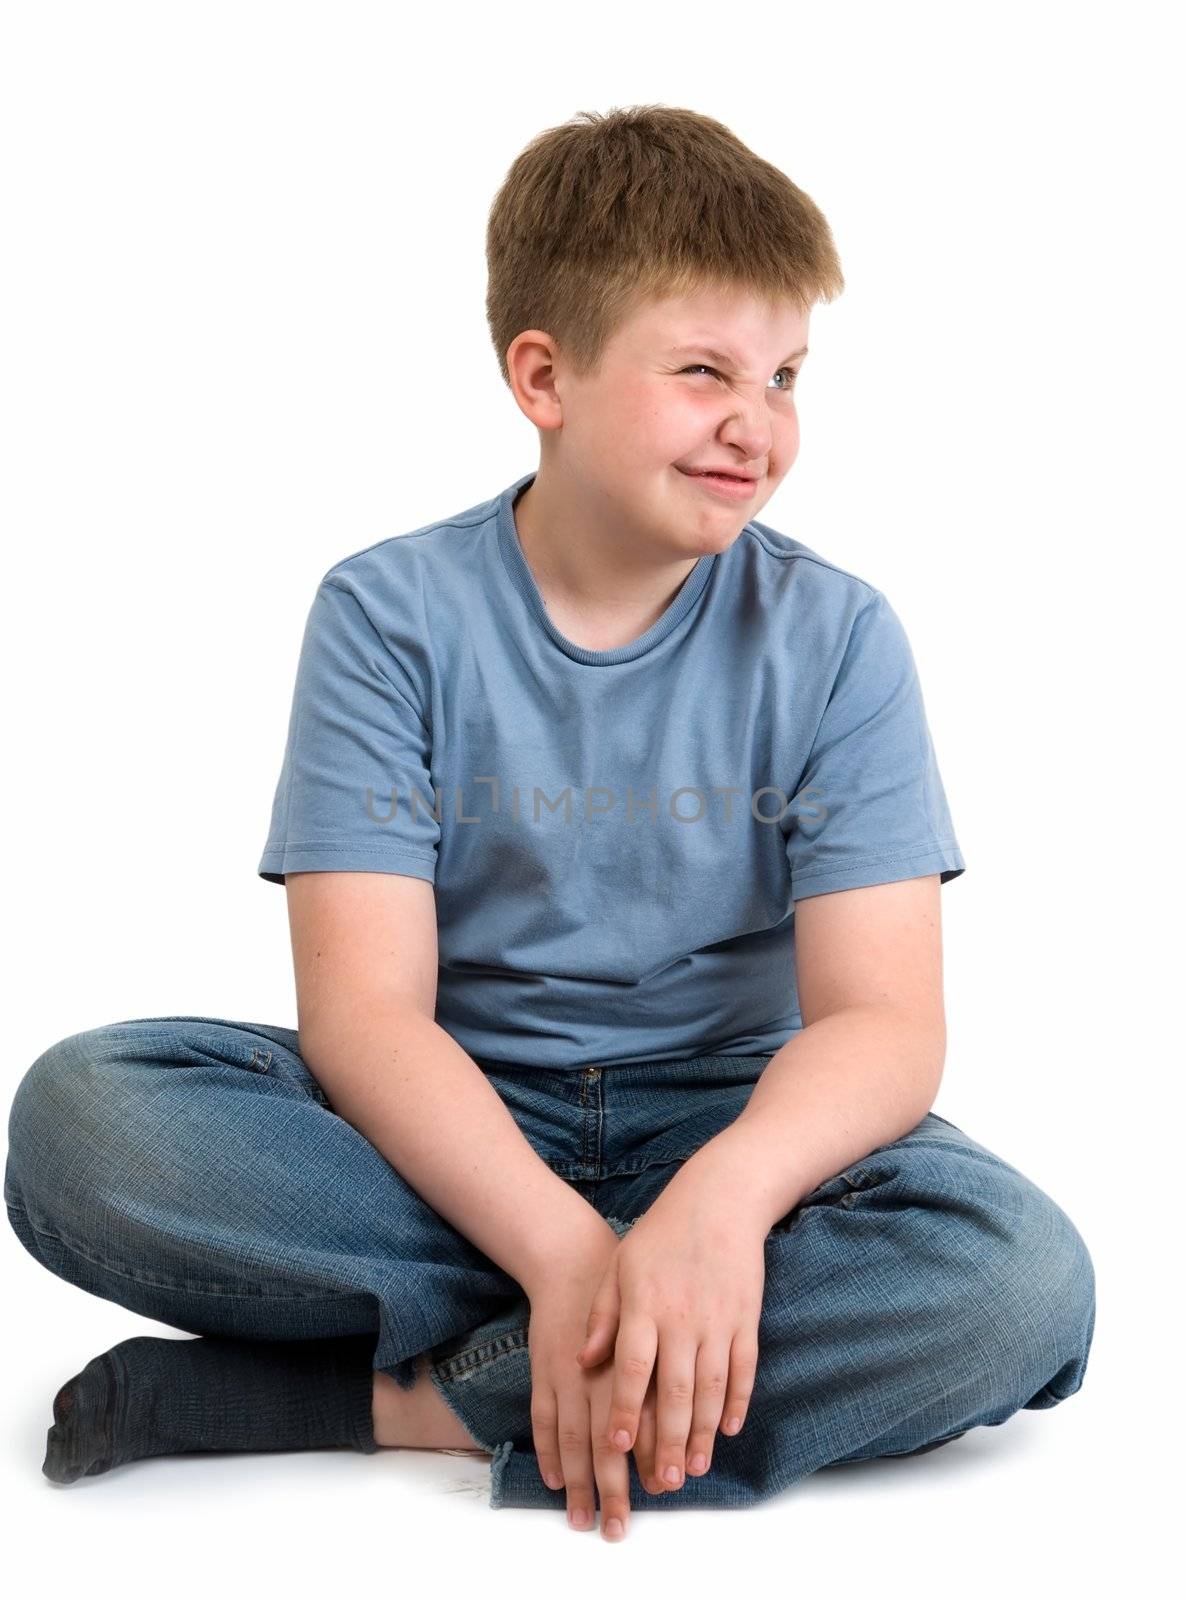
(543, 1428)
(613, 1488)
(712, 1387)
(675, 1387)
(595, 1348)
(599, 1342)
(644, 1447)
(576, 1459)
(634, 1361)
(743, 1369)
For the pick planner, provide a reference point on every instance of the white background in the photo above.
(244, 336)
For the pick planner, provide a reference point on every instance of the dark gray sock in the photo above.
(154, 1397)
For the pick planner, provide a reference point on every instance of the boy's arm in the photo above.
(866, 1066)
(365, 957)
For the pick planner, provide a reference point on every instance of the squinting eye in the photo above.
(792, 372)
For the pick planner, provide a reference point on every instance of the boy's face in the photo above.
(687, 383)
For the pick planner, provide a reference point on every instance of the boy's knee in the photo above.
(57, 1108)
(1043, 1283)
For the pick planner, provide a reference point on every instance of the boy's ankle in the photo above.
(417, 1418)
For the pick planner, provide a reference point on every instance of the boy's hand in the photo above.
(681, 1299)
(570, 1408)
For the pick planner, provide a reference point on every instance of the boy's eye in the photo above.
(791, 372)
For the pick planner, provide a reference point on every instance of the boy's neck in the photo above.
(595, 588)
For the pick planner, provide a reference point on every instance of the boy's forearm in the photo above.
(425, 1104)
(837, 1090)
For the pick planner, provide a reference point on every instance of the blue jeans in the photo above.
(193, 1170)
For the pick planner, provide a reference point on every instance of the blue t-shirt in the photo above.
(617, 838)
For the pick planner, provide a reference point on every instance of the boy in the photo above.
(612, 835)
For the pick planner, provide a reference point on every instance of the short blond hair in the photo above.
(606, 211)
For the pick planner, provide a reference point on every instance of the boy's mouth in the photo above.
(736, 485)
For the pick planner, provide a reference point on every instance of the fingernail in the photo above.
(733, 1424)
(621, 1439)
(613, 1528)
(699, 1463)
(553, 1480)
(672, 1475)
(579, 1518)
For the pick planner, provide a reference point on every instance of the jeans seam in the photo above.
(179, 1286)
(465, 1363)
(578, 1172)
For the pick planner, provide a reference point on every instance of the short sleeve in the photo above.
(870, 807)
(355, 792)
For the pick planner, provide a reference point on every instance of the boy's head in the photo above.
(650, 284)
